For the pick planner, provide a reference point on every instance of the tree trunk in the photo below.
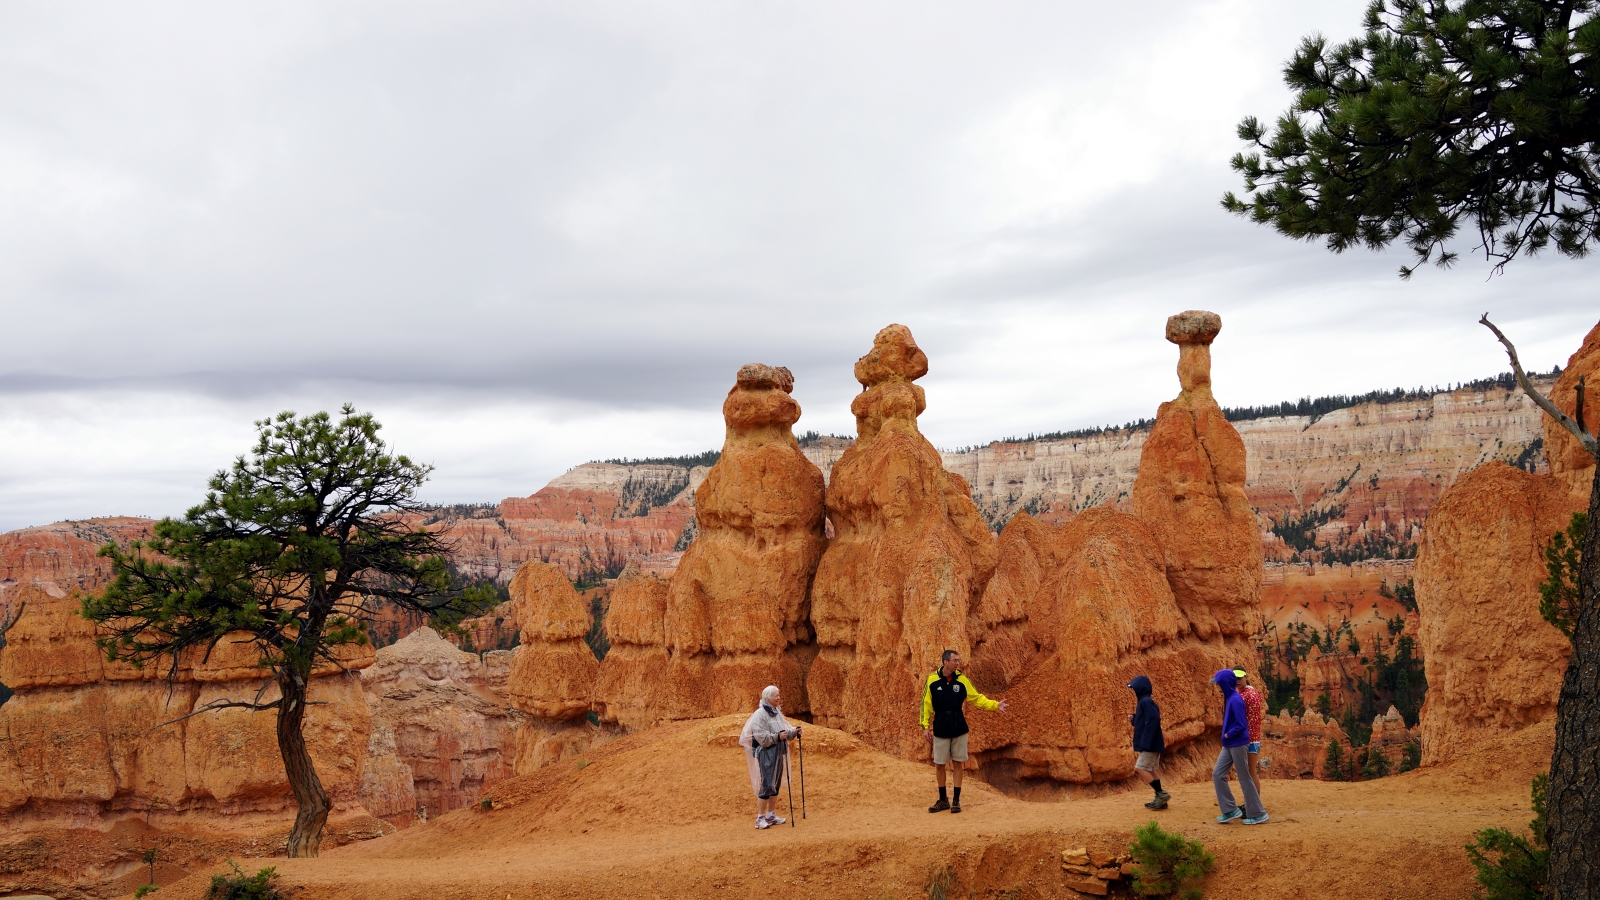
(1574, 799)
(306, 837)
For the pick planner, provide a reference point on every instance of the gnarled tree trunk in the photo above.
(306, 837)
(1573, 829)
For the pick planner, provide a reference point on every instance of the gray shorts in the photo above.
(1147, 761)
(946, 749)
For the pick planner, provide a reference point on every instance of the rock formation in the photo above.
(1493, 665)
(630, 691)
(442, 726)
(82, 739)
(1297, 746)
(1075, 611)
(553, 672)
(1190, 491)
(910, 557)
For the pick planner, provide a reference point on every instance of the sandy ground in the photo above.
(669, 813)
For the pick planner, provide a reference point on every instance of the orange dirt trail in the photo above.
(669, 813)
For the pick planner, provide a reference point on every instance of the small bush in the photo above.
(1377, 764)
(1558, 594)
(1167, 863)
(142, 890)
(1521, 864)
(240, 886)
(1412, 757)
(941, 884)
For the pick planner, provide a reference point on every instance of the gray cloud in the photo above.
(530, 235)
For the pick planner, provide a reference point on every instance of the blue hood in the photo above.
(1140, 686)
(1227, 679)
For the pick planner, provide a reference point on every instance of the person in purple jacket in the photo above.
(1235, 755)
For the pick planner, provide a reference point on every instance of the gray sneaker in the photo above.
(761, 822)
(776, 819)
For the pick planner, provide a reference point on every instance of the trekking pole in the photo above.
(802, 739)
(789, 785)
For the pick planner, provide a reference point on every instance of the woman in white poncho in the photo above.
(765, 741)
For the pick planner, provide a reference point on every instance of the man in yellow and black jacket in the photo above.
(945, 725)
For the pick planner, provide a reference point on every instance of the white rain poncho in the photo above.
(764, 729)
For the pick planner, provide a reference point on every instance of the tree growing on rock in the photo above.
(288, 551)
(1445, 112)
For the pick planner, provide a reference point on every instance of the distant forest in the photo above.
(1315, 407)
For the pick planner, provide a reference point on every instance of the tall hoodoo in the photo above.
(736, 611)
(1075, 611)
(910, 556)
(1190, 491)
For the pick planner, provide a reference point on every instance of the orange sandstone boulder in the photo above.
(1297, 746)
(553, 672)
(910, 557)
(1493, 665)
(1191, 491)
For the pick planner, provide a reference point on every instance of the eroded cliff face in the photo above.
(1075, 611)
(83, 741)
(65, 553)
(1493, 665)
(443, 728)
(909, 559)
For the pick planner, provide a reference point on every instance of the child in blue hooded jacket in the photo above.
(1235, 755)
(1148, 742)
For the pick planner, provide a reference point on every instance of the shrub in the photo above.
(1167, 863)
(1558, 594)
(1377, 764)
(941, 884)
(140, 892)
(1522, 863)
(240, 886)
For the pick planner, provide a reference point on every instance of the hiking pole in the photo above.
(788, 784)
(802, 739)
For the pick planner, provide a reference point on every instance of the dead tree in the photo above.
(1573, 832)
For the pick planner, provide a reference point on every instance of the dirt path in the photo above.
(667, 813)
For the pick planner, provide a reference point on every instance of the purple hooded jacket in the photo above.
(1235, 730)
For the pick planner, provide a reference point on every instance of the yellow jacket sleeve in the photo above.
(927, 702)
(977, 699)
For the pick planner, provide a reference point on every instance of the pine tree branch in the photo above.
(1587, 440)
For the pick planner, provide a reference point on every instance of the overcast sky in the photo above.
(526, 236)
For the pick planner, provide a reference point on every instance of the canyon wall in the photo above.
(83, 740)
(1493, 664)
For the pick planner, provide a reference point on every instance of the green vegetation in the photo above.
(1167, 863)
(1338, 765)
(640, 495)
(598, 640)
(1475, 111)
(705, 458)
(240, 886)
(1558, 594)
(292, 545)
(1514, 866)
(814, 437)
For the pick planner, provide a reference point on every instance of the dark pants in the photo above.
(770, 762)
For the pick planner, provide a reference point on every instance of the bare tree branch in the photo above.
(221, 704)
(1587, 440)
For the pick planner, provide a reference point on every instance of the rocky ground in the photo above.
(667, 813)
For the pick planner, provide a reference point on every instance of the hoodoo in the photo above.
(910, 556)
(1076, 611)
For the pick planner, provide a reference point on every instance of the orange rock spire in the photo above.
(910, 556)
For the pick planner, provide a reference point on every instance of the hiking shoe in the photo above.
(1163, 796)
(941, 806)
(1225, 819)
(1257, 820)
(1157, 803)
(955, 807)
(761, 822)
(775, 819)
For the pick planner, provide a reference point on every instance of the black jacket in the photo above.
(1147, 737)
